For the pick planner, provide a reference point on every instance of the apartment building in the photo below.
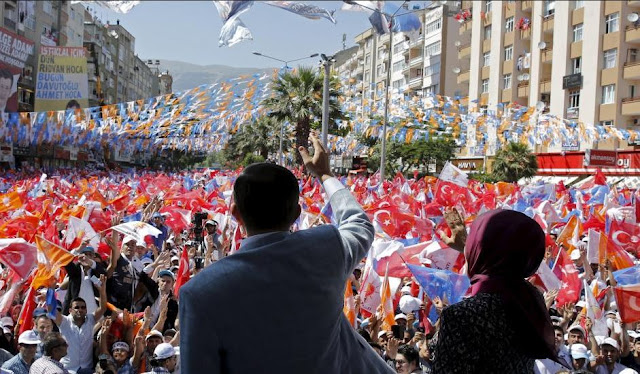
(417, 60)
(579, 58)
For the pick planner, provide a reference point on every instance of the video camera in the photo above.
(197, 226)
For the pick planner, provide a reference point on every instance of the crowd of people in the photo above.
(103, 296)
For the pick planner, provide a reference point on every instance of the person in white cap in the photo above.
(579, 356)
(55, 348)
(28, 344)
(611, 352)
(164, 359)
(142, 362)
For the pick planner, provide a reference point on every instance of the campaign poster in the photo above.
(62, 81)
(14, 52)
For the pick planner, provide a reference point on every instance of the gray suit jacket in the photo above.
(275, 306)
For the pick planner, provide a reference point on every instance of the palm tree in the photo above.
(513, 162)
(262, 136)
(297, 98)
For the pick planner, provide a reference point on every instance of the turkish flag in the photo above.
(183, 272)
(625, 235)
(449, 194)
(18, 255)
(570, 281)
(177, 219)
(627, 301)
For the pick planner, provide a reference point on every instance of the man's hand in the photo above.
(392, 348)
(319, 164)
(588, 324)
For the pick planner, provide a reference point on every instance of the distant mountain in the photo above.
(186, 75)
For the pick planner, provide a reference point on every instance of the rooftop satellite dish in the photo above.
(520, 77)
(456, 70)
(540, 106)
(457, 43)
(542, 45)
(525, 77)
(633, 17)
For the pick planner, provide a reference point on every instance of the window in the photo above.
(606, 123)
(432, 49)
(508, 53)
(578, 4)
(633, 54)
(549, 7)
(486, 58)
(608, 94)
(508, 24)
(611, 23)
(576, 65)
(431, 90)
(46, 7)
(506, 81)
(368, 42)
(398, 47)
(30, 22)
(610, 58)
(488, 6)
(487, 32)
(432, 69)
(366, 76)
(433, 26)
(577, 32)
(381, 53)
(367, 59)
(380, 69)
(485, 86)
(398, 66)
(574, 99)
(398, 83)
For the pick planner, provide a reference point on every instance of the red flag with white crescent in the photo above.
(627, 301)
(19, 255)
(183, 275)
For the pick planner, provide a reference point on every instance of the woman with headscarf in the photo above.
(503, 325)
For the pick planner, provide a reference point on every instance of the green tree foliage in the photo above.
(403, 157)
(261, 137)
(513, 162)
(298, 99)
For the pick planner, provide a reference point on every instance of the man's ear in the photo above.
(299, 211)
(236, 214)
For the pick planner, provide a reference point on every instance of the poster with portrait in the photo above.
(14, 52)
(62, 79)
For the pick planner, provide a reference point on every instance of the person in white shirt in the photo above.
(77, 329)
(548, 366)
(611, 352)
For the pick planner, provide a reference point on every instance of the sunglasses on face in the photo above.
(79, 307)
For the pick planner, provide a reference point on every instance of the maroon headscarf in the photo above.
(503, 248)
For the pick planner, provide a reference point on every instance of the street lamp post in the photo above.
(326, 62)
(286, 66)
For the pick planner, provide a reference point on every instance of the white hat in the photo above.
(7, 330)
(409, 303)
(175, 258)
(120, 345)
(575, 254)
(153, 333)
(381, 333)
(400, 316)
(579, 351)
(610, 341)
(164, 350)
(29, 337)
(146, 261)
(581, 304)
(127, 239)
(6, 321)
(406, 290)
(579, 328)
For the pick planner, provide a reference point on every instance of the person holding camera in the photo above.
(212, 241)
(305, 270)
(164, 359)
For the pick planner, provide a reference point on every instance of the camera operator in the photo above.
(212, 240)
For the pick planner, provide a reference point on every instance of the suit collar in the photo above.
(260, 240)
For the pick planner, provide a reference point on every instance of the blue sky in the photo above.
(188, 31)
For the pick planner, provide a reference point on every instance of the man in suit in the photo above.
(282, 291)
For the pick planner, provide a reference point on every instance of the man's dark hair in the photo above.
(267, 197)
(365, 334)
(78, 299)
(38, 318)
(410, 353)
(51, 341)
(6, 74)
(73, 104)
(375, 345)
(558, 328)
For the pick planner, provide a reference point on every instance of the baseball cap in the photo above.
(87, 249)
(7, 330)
(29, 337)
(211, 222)
(400, 316)
(39, 312)
(164, 350)
(156, 215)
(610, 341)
(406, 290)
(189, 243)
(174, 268)
(166, 273)
(175, 258)
(381, 334)
(153, 333)
(146, 260)
(579, 351)
(581, 304)
(579, 328)
(120, 345)
(6, 321)
(170, 333)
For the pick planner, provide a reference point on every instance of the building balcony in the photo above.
(631, 70)
(523, 89)
(415, 82)
(464, 76)
(383, 39)
(9, 23)
(547, 55)
(634, 3)
(405, 68)
(527, 5)
(547, 24)
(465, 27)
(418, 43)
(631, 106)
(525, 34)
(358, 69)
(545, 86)
(573, 113)
(416, 61)
(632, 34)
(464, 51)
